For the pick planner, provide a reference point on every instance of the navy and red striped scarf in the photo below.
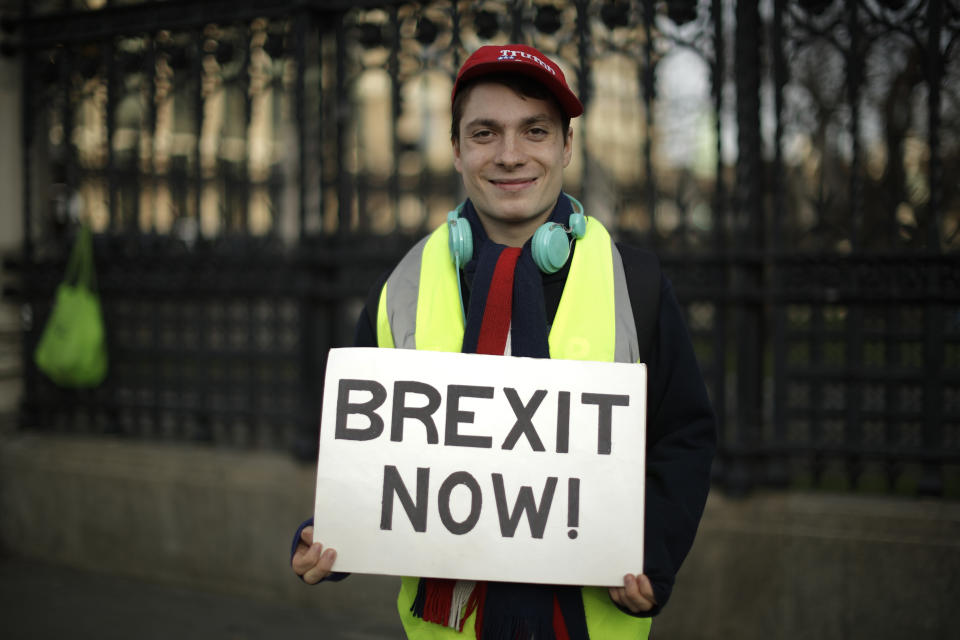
(506, 298)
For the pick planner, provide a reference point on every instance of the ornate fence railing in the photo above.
(249, 168)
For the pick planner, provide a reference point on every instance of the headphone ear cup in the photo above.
(578, 225)
(550, 247)
(460, 240)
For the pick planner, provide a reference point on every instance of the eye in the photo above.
(481, 134)
(538, 132)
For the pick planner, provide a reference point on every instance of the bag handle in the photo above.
(80, 267)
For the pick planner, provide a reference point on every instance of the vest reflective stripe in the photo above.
(594, 300)
(422, 317)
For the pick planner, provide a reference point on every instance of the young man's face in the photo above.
(511, 155)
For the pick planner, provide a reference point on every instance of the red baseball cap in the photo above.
(519, 58)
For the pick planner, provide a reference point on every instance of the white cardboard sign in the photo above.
(482, 467)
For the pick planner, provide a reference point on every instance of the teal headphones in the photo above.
(550, 245)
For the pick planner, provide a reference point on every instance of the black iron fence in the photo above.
(251, 166)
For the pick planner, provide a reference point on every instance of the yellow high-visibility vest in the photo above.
(419, 308)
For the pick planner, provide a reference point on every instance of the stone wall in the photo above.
(792, 565)
(775, 565)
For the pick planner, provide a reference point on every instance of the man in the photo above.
(497, 279)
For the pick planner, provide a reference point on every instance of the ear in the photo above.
(568, 147)
(456, 154)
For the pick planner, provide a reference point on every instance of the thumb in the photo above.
(646, 588)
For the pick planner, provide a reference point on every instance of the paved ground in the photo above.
(40, 602)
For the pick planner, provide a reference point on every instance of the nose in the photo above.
(510, 153)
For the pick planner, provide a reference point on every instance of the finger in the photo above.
(327, 559)
(306, 536)
(646, 588)
(304, 546)
(305, 558)
(322, 569)
(635, 598)
(616, 594)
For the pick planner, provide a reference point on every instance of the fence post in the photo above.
(931, 480)
(748, 268)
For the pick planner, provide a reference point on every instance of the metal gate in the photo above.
(249, 168)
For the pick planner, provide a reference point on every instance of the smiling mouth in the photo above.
(513, 184)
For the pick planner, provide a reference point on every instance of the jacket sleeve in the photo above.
(681, 440)
(365, 333)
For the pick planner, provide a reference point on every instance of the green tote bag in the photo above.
(72, 350)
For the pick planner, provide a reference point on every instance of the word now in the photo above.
(417, 508)
(455, 416)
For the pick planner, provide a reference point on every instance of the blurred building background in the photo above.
(250, 167)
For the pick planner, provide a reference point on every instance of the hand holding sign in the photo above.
(310, 561)
(481, 467)
(636, 594)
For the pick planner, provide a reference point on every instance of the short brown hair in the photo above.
(520, 84)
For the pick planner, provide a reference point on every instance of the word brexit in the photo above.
(419, 402)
